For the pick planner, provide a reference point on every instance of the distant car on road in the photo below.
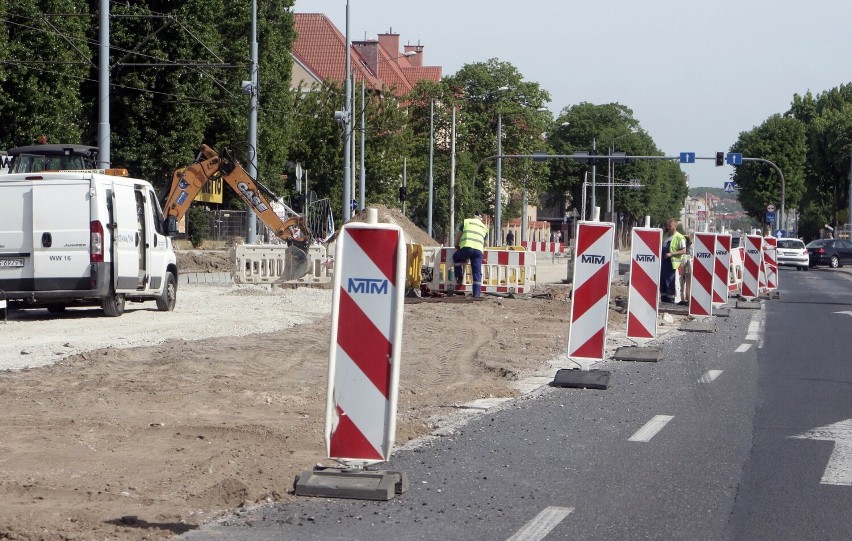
(792, 252)
(831, 252)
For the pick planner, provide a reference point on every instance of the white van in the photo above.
(74, 238)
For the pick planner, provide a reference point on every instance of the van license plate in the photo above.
(9, 263)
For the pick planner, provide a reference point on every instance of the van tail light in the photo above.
(96, 245)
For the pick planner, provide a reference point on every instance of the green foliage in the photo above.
(828, 126)
(587, 127)
(45, 61)
(198, 225)
(780, 140)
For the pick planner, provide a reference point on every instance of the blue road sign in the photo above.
(687, 157)
(729, 187)
(734, 158)
(770, 217)
(353, 204)
(780, 233)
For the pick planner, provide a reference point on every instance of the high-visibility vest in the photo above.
(473, 234)
(678, 243)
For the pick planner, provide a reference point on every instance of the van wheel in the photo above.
(166, 301)
(55, 308)
(113, 305)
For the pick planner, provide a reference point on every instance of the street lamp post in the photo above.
(498, 195)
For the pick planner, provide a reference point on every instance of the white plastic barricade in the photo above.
(643, 301)
(366, 341)
(265, 264)
(555, 247)
(770, 249)
(703, 264)
(503, 271)
(751, 265)
(590, 297)
(721, 267)
(735, 270)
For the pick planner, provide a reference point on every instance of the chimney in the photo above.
(416, 60)
(369, 51)
(390, 42)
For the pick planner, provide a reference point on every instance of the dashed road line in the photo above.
(743, 348)
(651, 428)
(709, 376)
(538, 528)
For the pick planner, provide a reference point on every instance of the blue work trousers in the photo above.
(475, 258)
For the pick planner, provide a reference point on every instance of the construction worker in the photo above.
(470, 243)
(674, 246)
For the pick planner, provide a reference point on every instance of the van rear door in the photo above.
(16, 236)
(61, 219)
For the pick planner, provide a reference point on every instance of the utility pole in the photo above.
(251, 87)
(347, 125)
(103, 86)
(362, 174)
(432, 158)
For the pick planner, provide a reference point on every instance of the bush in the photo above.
(198, 225)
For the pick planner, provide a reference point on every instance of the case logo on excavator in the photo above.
(367, 285)
(253, 198)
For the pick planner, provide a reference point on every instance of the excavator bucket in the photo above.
(295, 264)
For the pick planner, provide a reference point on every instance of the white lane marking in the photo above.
(709, 376)
(651, 428)
(847, 312)
(743, 348)
(753, 325)
(538, 528)
(838, 471)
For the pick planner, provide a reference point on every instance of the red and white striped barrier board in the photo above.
(643, 298)
(503, 271)
(703, 264)
(735, 277)
(557, 247)
(770, 249)
(590, 297)
(366, 341)
(721, 267)
(751, 264)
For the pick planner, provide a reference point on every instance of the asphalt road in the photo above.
(697, 446)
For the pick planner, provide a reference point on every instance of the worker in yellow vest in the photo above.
(470, 243)
(674, 247)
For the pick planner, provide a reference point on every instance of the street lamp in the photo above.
(362, 172)
(498, 231)
(610, 175)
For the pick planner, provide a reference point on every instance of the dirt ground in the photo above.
(147, 442)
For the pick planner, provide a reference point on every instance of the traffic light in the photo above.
(402, 193)
(720, 159)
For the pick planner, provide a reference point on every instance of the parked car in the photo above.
(792, 252)
(831, 252)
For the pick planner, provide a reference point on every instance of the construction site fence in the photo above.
(503, 271)
(266, 264)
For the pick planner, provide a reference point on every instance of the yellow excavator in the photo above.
(187, 182)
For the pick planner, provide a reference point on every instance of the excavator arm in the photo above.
(187, 183)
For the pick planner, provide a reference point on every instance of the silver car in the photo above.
(792, 252)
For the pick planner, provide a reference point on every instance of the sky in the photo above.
(696, 73)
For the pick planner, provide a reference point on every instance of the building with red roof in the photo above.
(381, 64)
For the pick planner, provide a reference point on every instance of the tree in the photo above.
(780, 140)
(476, 89)
(827, 124)
(581, 128)
(45, 61)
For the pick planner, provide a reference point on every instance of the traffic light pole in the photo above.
(592, 159)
